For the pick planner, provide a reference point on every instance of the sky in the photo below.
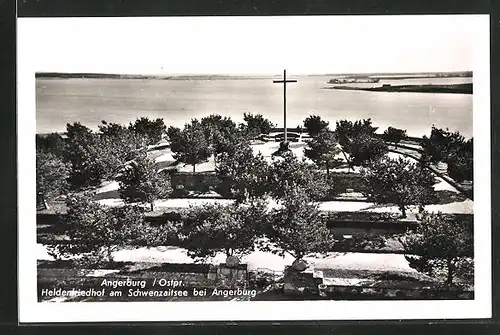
(251, 45)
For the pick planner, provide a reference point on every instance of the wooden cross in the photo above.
(284, 81)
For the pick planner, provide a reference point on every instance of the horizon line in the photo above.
(174, 74)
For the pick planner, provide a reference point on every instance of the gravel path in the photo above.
(263, 260)
(462, 207)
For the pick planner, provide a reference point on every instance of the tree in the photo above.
(189, 145)
(359, 144)
(232, 229)
(122, 143)
(216, 127)
(441, 145)
(461, 167)
(452, 148)
(288, 172)
(256, 125)
(51, 174)
(461, 161)
(77, 130)
(94, 232)
(242, 174)
(440, 244)
(140, 181)
(112, 129)
(314, 125)
(322, 149)
(394, 135)
(95, 157)
(90, 161)
(347, 130)
(297, 227)
(400, 182)
(365, 149)
(52, 143)
(221, 134)
(153, 130)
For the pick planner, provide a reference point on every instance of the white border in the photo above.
(32, 311)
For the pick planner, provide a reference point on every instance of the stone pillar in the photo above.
(301, 280)
(232, 274)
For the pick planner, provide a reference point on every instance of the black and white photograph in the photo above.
(254, 168)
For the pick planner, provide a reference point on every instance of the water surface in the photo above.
(61, 101)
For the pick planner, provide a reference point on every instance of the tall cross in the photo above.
(284, 81)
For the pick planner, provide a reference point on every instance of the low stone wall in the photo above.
(311, 282)
(346, 183)
(194, 181)
(365, 293)
(300, 282)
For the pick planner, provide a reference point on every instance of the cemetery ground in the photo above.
(368, 262)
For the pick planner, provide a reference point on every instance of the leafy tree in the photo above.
(365, 149)
(461, 167)
(315, 125)
(347, 130)
(174, 135)
(95, 157)
(400, 182)
(394, 135)
(460, 161)
(112, 129)
(221, 134)
(140, 181)
(288, 172)
(51, 174)
(469, 145)
(231, 229)
(452, 148)
(441, 145)
(152, 129)
(242, 174)
(137, 232)
(229, 143)
(359, 144)
(52, 143)
(77, 130)
(189, 145)
(90, 161)
(297, 227)
(440, 244)
(256, 125)
(94, 232)
(322, 149)
(122, 144)
(216, 126)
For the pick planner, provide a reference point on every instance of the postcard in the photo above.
(254, 168)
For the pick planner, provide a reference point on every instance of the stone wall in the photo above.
(198, 181)
(301, 282)
(380, 293)
(236, 276)
(346, 182)
(311, 283)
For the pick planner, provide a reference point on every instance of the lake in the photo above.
(61, 101)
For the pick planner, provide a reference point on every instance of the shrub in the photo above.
(440, 245)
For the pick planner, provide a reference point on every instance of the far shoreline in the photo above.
(453, 88)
